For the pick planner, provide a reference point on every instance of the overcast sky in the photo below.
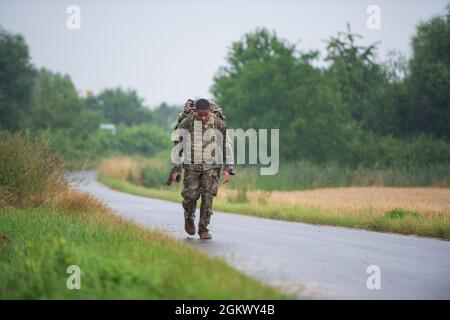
(170, 50)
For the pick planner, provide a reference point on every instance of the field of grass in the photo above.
(419, 211)
(45, 227)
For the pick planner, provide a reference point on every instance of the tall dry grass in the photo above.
(428, 201)
(30, 173)
(122, 168)
(148, 172)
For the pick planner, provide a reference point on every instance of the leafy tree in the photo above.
(268, 84)
(362, 82)
(16, 80)
(55, 101)
(428, 109)
(256, 83)
(392, 115)
(119, 106)
(165, 115)
(143, 139)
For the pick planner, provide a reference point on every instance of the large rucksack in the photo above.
(189, 109)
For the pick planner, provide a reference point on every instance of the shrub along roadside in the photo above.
(29, 172)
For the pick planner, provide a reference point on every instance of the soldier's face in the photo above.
(202, 115)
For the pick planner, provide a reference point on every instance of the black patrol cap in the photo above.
(202, 104)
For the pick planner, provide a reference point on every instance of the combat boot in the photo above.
(189, 226)
(205, 235)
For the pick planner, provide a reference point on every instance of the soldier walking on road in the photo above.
(201, 173)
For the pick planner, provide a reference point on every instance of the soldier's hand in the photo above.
(175, 175)
(226, 176)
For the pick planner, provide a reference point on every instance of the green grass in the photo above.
(118, 260)
(397, 220)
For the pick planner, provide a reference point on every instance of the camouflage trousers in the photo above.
(196, 183)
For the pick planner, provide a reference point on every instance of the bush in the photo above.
(77, 147)
(30, 173)
(143, 139)
(152, 176)
(398, 213)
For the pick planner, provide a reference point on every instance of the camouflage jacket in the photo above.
(198, 145)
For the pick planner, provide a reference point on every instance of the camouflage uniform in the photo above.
(201, 179)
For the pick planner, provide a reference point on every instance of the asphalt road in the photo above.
(313, 261)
